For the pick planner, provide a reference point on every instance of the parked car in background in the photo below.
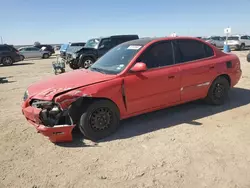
(65, 47)
(248, 57)
(9, 55)
(238, 42)
(132, 78)
(215, 40)
(94, 49)
(33, 52)
(46, 47)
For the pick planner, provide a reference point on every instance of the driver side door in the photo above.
(159, 85)
(104, 46)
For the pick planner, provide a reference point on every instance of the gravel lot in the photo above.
(192, 145)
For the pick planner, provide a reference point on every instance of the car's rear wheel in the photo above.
(21, 57)
(242, 46)
(218, 91)
(45, 56)
(100, 120)
(7, 61)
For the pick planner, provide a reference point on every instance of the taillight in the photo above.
(237, 64)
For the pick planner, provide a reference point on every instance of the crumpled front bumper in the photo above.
(58, 133)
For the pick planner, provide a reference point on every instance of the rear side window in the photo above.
(118, 41)
(4, 49)
(191, 50)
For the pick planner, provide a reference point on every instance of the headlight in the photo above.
(74, 55)
(42, 104)
(26, 95)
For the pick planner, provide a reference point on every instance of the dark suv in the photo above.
(9, 55)
(94, 49)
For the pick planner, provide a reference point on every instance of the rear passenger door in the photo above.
(197, 66)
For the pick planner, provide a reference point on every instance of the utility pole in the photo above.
(1, 40)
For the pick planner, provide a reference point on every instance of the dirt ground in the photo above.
(193, 145)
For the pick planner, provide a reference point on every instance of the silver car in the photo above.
(215, 40)
(33, 52)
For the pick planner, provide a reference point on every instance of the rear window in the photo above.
(64, 47)
(233, 38)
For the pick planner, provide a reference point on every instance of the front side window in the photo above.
(34, 49)
(116, 59)
(192, 50)
(105, 43)
(158, 55)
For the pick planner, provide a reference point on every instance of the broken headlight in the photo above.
(42, 104)
(50, 113)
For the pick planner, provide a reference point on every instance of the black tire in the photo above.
(242, 46)
(73, 66)
(248, 57)
(7, 61)
(45, 56)
(96, 126)
(86, 62)
(22, 57)
(218, 91)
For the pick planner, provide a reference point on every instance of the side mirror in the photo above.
(139, 67)
(102, 46)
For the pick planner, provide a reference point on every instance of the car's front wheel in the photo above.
(7, 61)
(73, 66)
(100, 120)
(218, 91)
(242, 46)
(86, 62)
(22, 57)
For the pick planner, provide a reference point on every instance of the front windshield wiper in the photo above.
(97, 70)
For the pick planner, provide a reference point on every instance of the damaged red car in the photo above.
(133, 78)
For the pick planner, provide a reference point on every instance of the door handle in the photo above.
(171, 77)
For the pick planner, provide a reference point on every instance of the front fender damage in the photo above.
(61, 116)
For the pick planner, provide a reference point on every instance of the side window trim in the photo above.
(193, 61)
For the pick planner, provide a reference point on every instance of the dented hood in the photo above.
(47, 89)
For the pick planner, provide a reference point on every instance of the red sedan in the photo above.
(135, 77)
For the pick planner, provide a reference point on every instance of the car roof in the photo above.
(105, 37)
(144, 41)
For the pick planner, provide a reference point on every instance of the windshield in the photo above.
(92, 43)
(233, 38)
(72, 49)
(116, 60)
(64, 47)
